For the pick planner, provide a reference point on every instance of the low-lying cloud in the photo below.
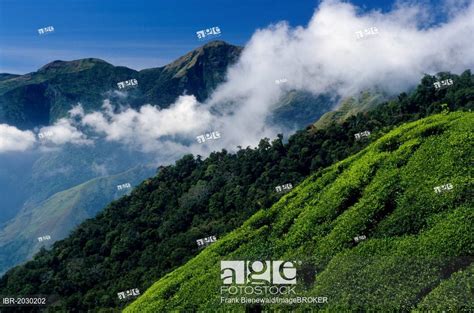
(183, 117)
(62, 132)
(13, 140)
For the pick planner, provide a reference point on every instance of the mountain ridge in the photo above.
(78, 64)
(60, 213)
(41, 97)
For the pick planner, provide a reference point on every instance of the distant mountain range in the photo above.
(62, 189)
(42, 97)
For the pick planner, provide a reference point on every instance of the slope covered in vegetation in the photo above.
(60, 213)
(362, 102)
(136, 240)
(419, 245)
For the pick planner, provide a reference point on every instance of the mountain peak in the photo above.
(5, 76)
(72, 66)
(211, 50)
(216, 43)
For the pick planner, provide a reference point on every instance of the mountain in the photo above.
(415, 239)
(60, 213)
(365, 101)
(139, 238)
(4, 76)
(72, 165)
(29, 178)
(196, 73)
(14, 170)
(297, 109)
(51, 192)
(41, 97)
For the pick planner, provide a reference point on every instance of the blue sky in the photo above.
(134, 33)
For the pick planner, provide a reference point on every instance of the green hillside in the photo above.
(138, 239)
(419, 245)
(297, 109)
(60, 213)
(351, 106)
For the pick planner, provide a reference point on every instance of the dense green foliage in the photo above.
(141, 237)
(415, 237)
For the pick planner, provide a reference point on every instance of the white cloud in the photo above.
(62, 132)
(322, 57)
(325, 55)
(77, 110)
(147, 125)
(12, 139)
(100, 169)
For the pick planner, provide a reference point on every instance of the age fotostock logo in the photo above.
(261, 282)
(257, 272)
(258, 277)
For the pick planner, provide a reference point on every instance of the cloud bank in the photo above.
(325, 56)
(14, 140)
(62, 132)
(183, 117)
